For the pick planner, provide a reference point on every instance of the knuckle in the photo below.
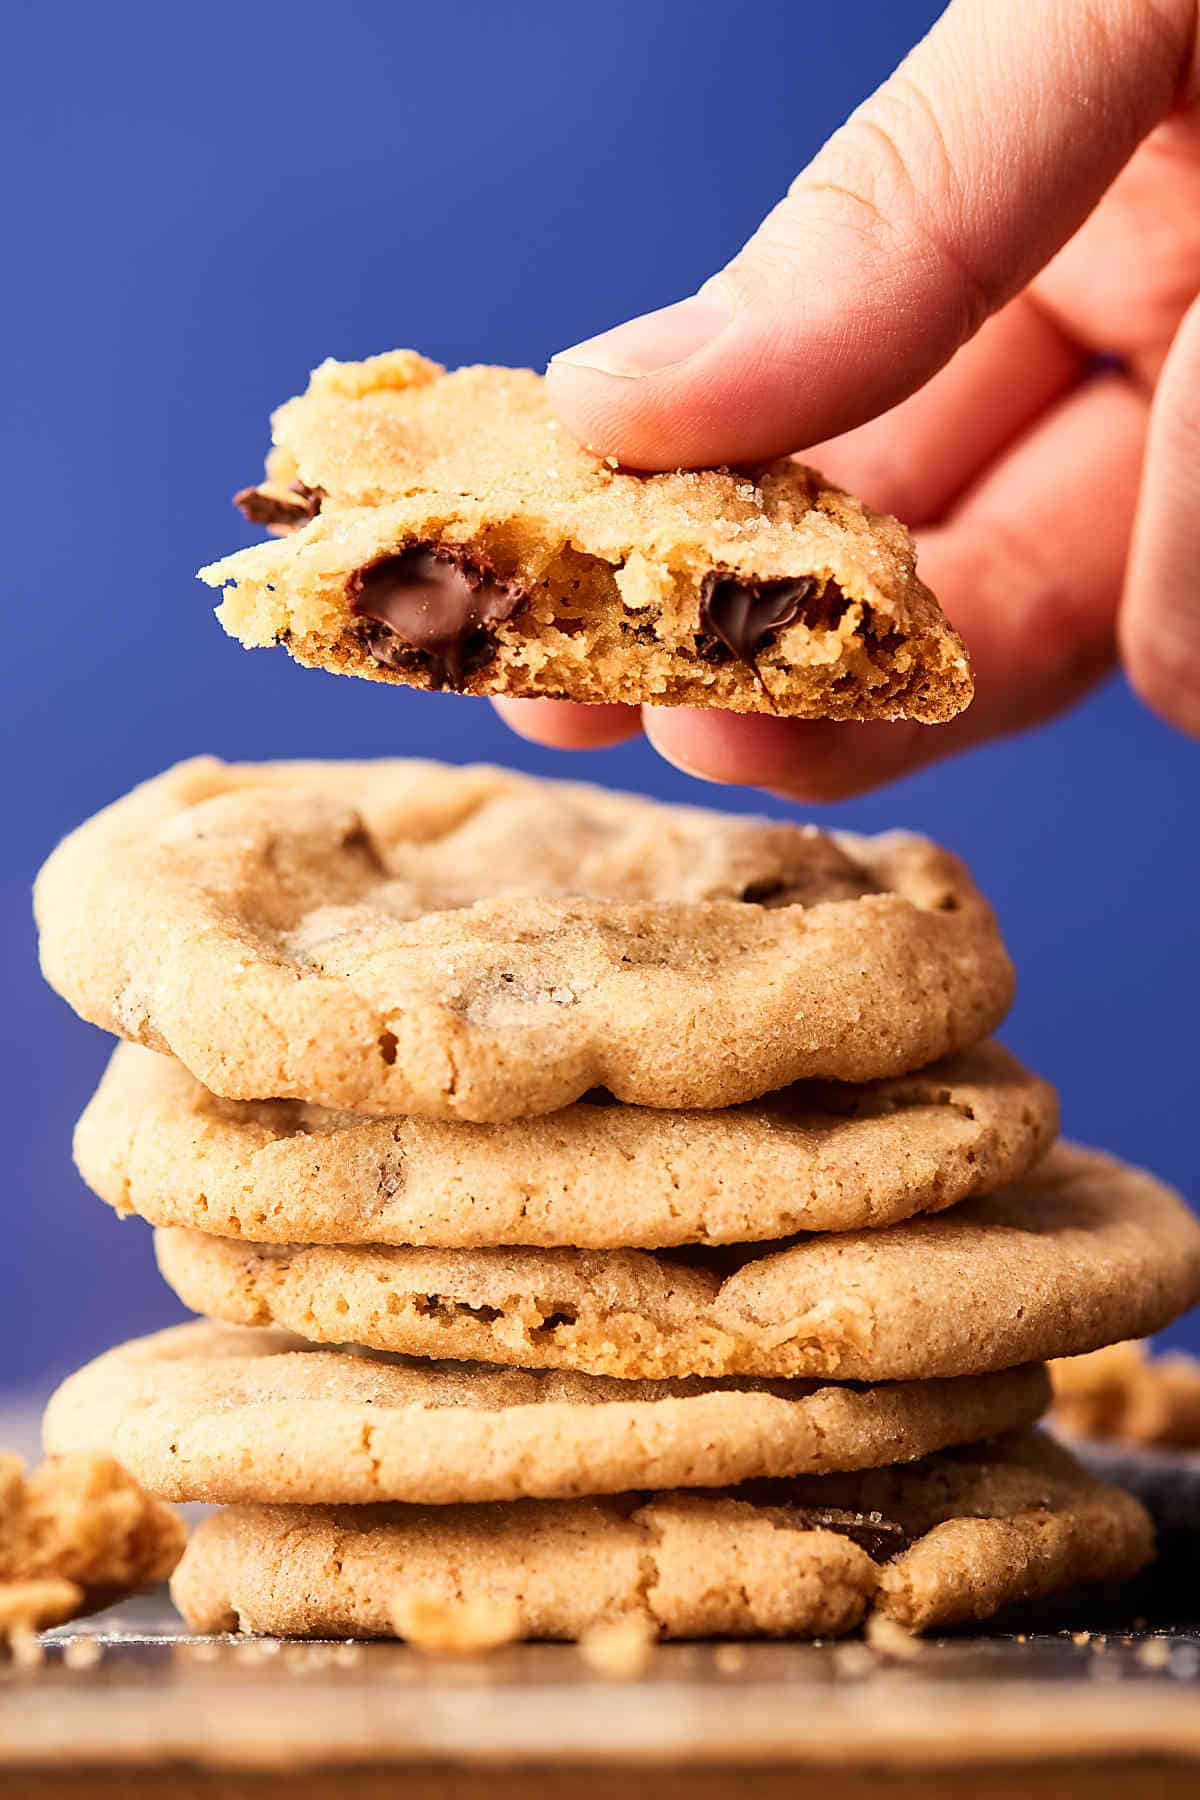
(888, 175)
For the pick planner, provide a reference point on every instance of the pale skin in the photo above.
(922, 317)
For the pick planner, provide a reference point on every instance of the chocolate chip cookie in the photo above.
(212, 1412)
(442, 531)
(1083, 1251)
(402, 937)
(820, 1156)
(950, 1539)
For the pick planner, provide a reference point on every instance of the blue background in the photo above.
(208, 201)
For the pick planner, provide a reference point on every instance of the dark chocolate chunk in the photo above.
(881, 1538)
(431, 605)
(279, 510)
(743, 614)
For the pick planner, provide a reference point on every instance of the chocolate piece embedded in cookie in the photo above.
(743, 615)
(433, 608)
(281, 509)
(767, 591)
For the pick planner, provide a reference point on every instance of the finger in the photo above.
(936, 202)
(917, 459)
(1029, 568)
(566, 725)
(1124, 283)
(1160, 619)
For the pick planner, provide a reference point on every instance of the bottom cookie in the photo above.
(949, 1539)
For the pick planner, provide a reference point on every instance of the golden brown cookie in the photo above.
(444, 532)
(77, 1535)
(1125, 1393)
(816, 1157)
(402, 937)
(952, 1538)
(216, 1413)
(1083, 1251)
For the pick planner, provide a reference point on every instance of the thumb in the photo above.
(937, 201)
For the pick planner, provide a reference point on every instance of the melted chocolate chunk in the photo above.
(280, 511)
(743, 614)
(431, 607)
(881, 1538)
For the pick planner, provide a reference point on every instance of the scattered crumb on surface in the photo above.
(887, 1638)
(856, 1659)
(33, 1605)
(26, 1648)
(82, 1652)
(730, 1659)
(620, 1650)
(455, 1627)
(1155, 1653)
(1125, 1394)
(76, 1529)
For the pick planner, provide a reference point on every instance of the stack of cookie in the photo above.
(601, 1211)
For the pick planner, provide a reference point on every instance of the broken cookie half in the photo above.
(444, 531)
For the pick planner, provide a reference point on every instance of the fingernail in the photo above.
(657, 341)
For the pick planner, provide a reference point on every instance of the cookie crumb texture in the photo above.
(1125, 1393)
(402, 937)
(460, 1627)
(950, 1539)
(443, 531)
(76, 1535)
(1083, 1250)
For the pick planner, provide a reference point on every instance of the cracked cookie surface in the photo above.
(443, 531)
(816, 1157)
(76, 1535)
(215, 1413)
(404, 937)
(952, 1538)
(1083, 1251)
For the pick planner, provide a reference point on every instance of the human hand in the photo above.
(1023, 197)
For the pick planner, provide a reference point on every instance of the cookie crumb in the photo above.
(32, 1605)
(730, 1659)
(82, 1652)
(76, 1528)
(887, 1638)
(1155, 1653)
(620, 1649)
(442, 1627)
(853, 1660)
(1080, 1638)
(26, 1648)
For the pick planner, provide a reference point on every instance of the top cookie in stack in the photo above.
(400, 937)
(612, 1149)
(443, 531)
